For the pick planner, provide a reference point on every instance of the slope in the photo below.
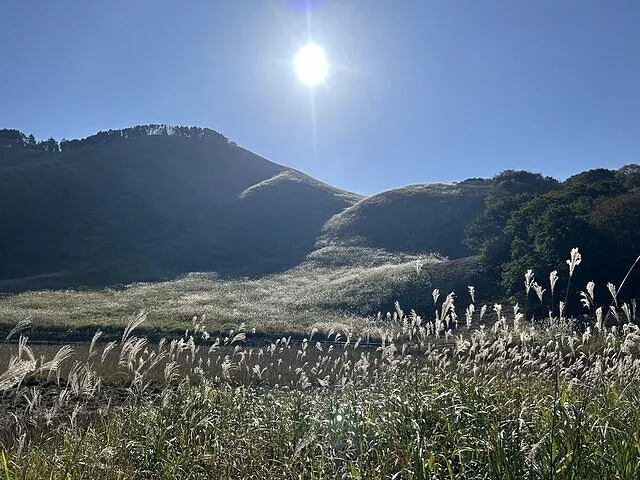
(151, 207)
(416, 218)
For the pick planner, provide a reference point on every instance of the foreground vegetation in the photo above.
(487, 393)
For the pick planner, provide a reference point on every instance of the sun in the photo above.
(311, 64)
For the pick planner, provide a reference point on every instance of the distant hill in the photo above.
(153, 202)
(416, 218)
(126, 206)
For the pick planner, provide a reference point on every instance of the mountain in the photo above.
(154, 202)
(127, 205)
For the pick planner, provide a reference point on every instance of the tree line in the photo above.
(531, 221)
(16, 139)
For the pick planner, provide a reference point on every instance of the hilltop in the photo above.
(416, 218)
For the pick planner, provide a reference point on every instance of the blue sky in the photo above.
(418, 91)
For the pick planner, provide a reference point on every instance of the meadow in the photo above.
(468, 390)
(336, 287)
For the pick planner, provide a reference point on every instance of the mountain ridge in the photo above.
(165, 204)
(154, 202)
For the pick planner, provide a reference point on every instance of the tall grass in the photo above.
(336, 286)
(490, 395)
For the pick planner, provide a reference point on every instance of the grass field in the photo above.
(461, 392)
(335, 287)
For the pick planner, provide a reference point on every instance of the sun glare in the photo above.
(311, 64)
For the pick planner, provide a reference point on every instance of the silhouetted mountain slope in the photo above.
(152, 206)
(416, 218)
(285, 214)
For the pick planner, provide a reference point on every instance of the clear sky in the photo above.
(417, 91)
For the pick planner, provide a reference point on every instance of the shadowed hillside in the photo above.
(416, 218)
(154, 202)
(147, 207)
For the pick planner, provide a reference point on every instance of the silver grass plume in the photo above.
(574, 260)
(553, 278)
(528, 280)
(20, 327)
(133, 323)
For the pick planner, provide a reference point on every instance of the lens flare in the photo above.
(311, 64)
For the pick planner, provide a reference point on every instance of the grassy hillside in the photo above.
(281, 219)
(152, 207)
(416, 218)
(335, 286)
(153, 203)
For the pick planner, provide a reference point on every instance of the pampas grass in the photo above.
(411, 396)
